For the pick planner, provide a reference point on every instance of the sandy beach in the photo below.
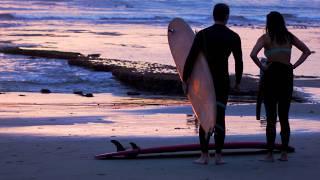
(55, 136)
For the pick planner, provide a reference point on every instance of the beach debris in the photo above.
(83, 94)
(22, 95)
(45, 91)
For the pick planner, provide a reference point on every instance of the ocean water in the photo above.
(243, 12)
(96, 26)
(31, 75)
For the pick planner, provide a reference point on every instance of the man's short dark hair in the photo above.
(221, 12)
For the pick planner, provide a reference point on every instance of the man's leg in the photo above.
(204, 143)
(220, 131)
(204, 140)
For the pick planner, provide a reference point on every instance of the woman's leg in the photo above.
(270, 103)
(283, 111)
(271, 113)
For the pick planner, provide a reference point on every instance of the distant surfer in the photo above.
(278, 77)
(217, 42)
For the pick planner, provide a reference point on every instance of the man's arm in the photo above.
(237, 54)
(192, 56)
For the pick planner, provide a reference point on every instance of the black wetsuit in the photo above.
(278, 87)
(216, 42)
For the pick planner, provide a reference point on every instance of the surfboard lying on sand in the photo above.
(201, 91)
(135, 150)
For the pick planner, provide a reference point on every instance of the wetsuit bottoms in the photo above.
(278, 87)
(220, 127)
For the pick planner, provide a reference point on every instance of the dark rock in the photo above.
(88, 95)
(45, 91)
(133, 93)
(7, 16)
(41, 53)
(78, 92)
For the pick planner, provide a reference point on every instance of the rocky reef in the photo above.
(143, 76)
(41, 53)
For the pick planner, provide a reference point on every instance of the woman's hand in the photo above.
(264, 67)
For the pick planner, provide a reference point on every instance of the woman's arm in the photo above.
(302, 47)
(256, 49)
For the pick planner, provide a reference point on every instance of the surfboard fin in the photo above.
(118, 145)
(134, 145)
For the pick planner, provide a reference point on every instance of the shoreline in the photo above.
(108, 115)
(154, 78)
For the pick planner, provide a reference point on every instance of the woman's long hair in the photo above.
(276, 28)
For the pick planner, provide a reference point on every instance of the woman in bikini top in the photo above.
(278, 78)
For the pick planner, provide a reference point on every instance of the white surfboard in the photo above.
(201, 91)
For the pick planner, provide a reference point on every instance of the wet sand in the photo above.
(55, 136)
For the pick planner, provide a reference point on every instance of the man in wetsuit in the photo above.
(216, 42)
